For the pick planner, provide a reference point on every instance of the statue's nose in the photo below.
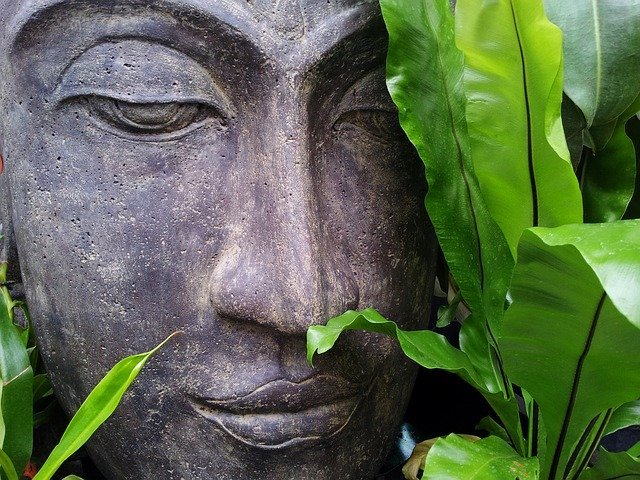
(278, 268)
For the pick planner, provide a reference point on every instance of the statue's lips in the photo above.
(282, 414)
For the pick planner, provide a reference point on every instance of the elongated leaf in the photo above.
(564, 340)
(513, 80)
(424, 347)
(425, 79)
(99, 405)
(613, 466)
(7, 467)
(608, 178)
(428, 349)
(16, 405)
(624, 416)
(601, 54)
(490, 458)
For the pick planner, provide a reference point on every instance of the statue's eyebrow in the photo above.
(225, 15)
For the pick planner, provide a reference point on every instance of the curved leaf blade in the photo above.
(613, 466)
(94, 411)
(16, 404)
(608, 178)
(425, 79)
(563, 326)
(7, 467)
(427, 348)
(601, 54)
(624, 416)
(513, 80)
(455, 457)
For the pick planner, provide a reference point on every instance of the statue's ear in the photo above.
(8, 250)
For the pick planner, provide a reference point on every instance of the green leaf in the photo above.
(16, 405)
(493, 428)
(424, 347)
(610, 466)
(601, 54)
(608, 178)
(94, 411)
(42, 387)
(513, 80)
(624, 416)
(454, 458)
(425, 79)
(72, 477)
(574, 126)
(7, 466)
(563, 337)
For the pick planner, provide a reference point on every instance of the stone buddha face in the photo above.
(232, 169)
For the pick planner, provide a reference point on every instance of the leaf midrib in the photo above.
(574, 388)
(460, 154)
(532, 175)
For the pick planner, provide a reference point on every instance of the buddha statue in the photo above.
(231, 169)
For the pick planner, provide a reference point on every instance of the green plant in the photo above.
(20, 390)
(554, 303)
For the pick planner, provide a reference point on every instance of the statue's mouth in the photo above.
(283, 414)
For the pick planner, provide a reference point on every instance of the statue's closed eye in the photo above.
(149, 118)
(380, 124)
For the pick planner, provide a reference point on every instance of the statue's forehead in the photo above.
(291, 19)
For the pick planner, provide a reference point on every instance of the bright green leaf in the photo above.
(425, 79)
(16, 405)
(564, 340)
(425, 347)
(513, 80)
(99, 405)
(7, 467)
(456, 458)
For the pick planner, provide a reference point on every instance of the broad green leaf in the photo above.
(456, 458)
(94, 411)
(611, 250)
(16, 405)
(513, 80)
(610, 466)
(425, 79)
(424, 347)
(624, 416)
(72, 477)
(635, 450)
(608, 178)
(564, 340)
(7, 467)
(601, 54)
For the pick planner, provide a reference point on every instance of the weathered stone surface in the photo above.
(232, 169)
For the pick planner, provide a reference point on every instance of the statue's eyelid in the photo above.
(138, 71)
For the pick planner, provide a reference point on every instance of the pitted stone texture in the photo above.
(234, 170)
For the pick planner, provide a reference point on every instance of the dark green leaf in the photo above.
(601, 54)
(99, 405)
(624, 416)
(563, 337)
(574, 126)
(490, 458)
(425, 79)
(513, 80)
(608, 178)
(613, 466)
